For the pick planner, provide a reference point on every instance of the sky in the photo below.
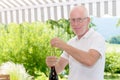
(107, 26)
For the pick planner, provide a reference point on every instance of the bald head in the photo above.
(79, 10)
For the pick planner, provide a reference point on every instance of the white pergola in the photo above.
(19, 11)
(21, 4)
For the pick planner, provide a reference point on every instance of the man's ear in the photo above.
(88, 19)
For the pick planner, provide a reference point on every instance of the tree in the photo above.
(118, 23)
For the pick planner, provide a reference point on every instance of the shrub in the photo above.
(115, 40)
(27, 44)
(112, 62)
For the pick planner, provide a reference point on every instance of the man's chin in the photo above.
(77, 33)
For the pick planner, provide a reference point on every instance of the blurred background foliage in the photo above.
(28, 44)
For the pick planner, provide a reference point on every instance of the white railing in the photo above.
(57, 10)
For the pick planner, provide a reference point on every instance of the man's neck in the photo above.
(80, 36)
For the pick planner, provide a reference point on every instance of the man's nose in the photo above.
(76, 22)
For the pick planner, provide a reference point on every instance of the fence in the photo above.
(43, 12)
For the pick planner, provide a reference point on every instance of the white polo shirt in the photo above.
(78, 71)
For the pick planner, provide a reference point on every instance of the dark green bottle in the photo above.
(53, 74)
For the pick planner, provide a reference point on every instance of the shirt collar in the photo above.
(87, 35)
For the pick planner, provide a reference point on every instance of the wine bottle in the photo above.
(53, 75)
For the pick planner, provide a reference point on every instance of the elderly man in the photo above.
(85, 53)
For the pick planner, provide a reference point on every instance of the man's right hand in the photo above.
(51, 61)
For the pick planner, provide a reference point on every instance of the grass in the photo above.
(111, 79)
(112, 48)
(109, 76)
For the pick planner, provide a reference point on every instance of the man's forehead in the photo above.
(80, 11)
(77, 15)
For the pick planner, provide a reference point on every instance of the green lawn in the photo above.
(111, 79)
(112, 48)
(108, 76)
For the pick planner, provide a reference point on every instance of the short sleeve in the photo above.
(99, 45)
(65, 55)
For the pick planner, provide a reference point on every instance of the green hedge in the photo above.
(27, 44)
(112, 62)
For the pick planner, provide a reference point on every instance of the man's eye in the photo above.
(79, 19)
(73, 19)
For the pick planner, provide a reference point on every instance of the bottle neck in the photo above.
(52, 67)
(53, 75)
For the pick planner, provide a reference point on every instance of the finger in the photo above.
(51, 58)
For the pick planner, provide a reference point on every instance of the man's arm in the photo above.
(87, 58)
(60, 65)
